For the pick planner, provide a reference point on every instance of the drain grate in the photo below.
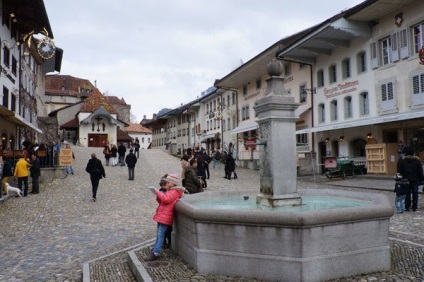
(157, 264)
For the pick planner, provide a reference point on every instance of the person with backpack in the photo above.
(97, 172)
(106, 152)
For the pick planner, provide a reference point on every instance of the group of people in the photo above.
(195, 167)
(24, 168)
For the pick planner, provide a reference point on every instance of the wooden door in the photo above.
(96, 140)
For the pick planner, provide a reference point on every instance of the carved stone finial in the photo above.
(275, 68)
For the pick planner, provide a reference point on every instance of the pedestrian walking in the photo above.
(35, 171)
(217, 159)
(121, 152)
(114, 155)
(106, 152)
(21, 172)
(96, 171)
(131, 160)
(410, 168)
(201, 170)
(165, 212)
(137, 147)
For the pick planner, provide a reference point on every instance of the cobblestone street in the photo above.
(48, 236)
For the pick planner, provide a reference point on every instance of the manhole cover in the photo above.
(157, 264)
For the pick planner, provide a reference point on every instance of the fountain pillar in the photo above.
(277, 131)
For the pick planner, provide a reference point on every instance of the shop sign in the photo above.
(341, 88)
(249, 143)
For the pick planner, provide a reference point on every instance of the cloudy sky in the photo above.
(159, 54)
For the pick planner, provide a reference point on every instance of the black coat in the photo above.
(95, 169)
(411, 169)
(121, 150)
(35, 168)
(7, 169)
(131, 160)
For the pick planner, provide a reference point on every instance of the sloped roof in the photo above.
(72, 124)
(95, 101)
(100, 112)
(115, 100)
(137, 128)
(122, 136)
(67, 85)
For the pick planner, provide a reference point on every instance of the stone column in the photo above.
(277, 131)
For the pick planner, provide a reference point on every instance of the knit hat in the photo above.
(172, 178)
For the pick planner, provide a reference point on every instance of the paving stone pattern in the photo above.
(48, 236)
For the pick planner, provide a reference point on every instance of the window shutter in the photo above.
(373, 55)
(394, 56)
(403, 43)
(415, 84)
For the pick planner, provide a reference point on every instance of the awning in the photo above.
(14, 118)
(206, 137)
(299, 111)
(362, 122)
(245, 127)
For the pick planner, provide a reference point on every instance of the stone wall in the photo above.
(50, 128)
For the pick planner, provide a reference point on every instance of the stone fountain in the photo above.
(280, 238)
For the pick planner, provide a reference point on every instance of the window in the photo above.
(223, 103)
(321, 113)
(385, 47)
(320, 78)
(223, 125)
(234, 122)
(333, 110)
(228, 124)
(332, 73)
(287, 69)
(363, 104)
(14, 65)
(362, 62)
(5, 97)
(302, 93)
(245, 113)
(387, 96)
(346, 68)
(6, 56)
(418, 37)
(373, 55)
(348, 107)
(234, 98)
(301, 139)
(418, 89)
(258, 84)
(244, 90)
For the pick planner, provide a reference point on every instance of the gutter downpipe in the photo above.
(312, 96)
(237, 120)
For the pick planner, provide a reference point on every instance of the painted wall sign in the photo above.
(341, 88)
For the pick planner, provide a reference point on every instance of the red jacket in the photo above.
(165, 210)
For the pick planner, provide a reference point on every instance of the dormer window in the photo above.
(63, 88)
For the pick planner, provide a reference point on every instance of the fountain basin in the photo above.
(298, 245)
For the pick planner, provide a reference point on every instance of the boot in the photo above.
(235, 175)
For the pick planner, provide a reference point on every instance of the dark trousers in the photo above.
(137, 153)
(413, 189)
(35, 185)
(130, 173)
(25, 181)
(95, 184)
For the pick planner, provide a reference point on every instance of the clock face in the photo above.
(46, 48)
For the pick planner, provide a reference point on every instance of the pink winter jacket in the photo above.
(165, 210)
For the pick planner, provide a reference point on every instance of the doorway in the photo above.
(96, 140)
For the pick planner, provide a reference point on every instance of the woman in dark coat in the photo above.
(96, 171)
(201, 169)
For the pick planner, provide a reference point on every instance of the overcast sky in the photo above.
(159, 54)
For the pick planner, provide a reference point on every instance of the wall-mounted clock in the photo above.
(46, 48)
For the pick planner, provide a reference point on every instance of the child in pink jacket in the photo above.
(164, 215)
